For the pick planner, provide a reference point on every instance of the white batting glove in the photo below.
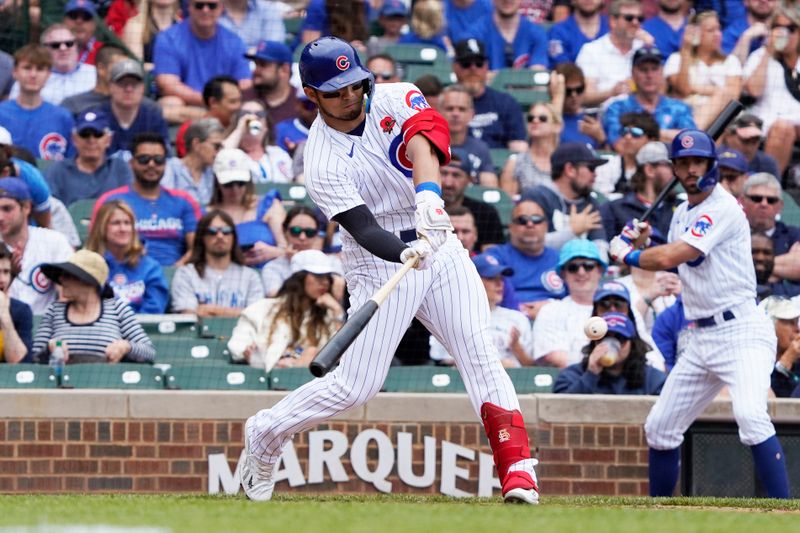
(637, 233)
(619, 248)
(433, 223)
(420, 251)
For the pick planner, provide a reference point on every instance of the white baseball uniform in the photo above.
(739, 349)
(344, 171)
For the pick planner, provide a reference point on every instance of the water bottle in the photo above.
(57, 360)
(255, 127)
(610, 358)
(781, 39)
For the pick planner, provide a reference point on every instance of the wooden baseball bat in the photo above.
(330, 354)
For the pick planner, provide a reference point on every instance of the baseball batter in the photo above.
(729, 341)
(372, 164)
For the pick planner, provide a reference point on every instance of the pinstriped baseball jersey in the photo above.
(724, 276)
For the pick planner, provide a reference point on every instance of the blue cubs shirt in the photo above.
(528, 48)
(460, 20)
(291, 130)
(565, 39)
(666, 39)
(671, 114)
(143, 286)
(534, 278)
(45, 131)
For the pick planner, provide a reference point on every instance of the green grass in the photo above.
(401, 513)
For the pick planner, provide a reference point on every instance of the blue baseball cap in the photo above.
(580, 248)
(274, 51)
(14, 188)
(87, 6)
(576, 153)
(393, 8)
(733, 159)
(620, 324)
(612, 288)
(91, 120)
(489, 266)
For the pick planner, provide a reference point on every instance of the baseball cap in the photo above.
(274, 51)
(611, 288)
(313, 261)
(5, 137)
(393, 8)
(468, 49)
(733, 159)
(458, 162)
(126, 67)
(620, 324)
(575, 153)
(230, 165)
(489, 266)
(580, 248)
(87, 266)
(14, 188)
(648, 52)
(779, 308)
(86, 6)
(748, 126)
(91, 120)
(653, 152)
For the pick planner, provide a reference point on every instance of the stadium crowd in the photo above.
(182, 125)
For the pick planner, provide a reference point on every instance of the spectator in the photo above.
(558, 336)
(393, 15)
(526, 170)
(763, 251)
(80, 19)
(223, 99)
(511, 40)
(255, 135)
(68, 77)
(510, 330)
(606, 61)
(729, 10)
(384, 68)
(90, 173)
(772, 79)
(745, 34)
(215, 281)
(458, 109)
(585, 24)
(464, 227)
(629, 374)
(293, 132)
(192, 52)
(12, 165)
(40, 127)
(570, 210)
(138, 23)
(271, 74)
(670, 333)
(667, 27)
(534, 280)
(6, 74)
(455, 180)
(126, 112)
(648, 74)
(193, 173)
(732, 171)
(637, 130)
(288, 330)
(463, 15)
(427, 25)
(135, 277)
(497, 121)
(99, 94)
(30, 246)
(700, 73)
(253, 20)
(784, 314)
(580, 124)
(165, 219)
(745, 135)
(653, 173)
(92, 325)
(16, 319)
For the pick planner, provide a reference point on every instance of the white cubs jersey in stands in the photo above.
(31, 285)
(724, 276)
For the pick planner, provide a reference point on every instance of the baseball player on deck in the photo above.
(372, 165)
(730, 342)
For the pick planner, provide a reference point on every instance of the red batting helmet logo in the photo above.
(687, 141)
(342, 63)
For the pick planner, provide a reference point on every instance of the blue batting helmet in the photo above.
(329, 64)
(696, 143)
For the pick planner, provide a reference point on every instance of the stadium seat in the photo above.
(791, 211)
(529, 380)
(423, 379)
(417, 54)
(81, 213)
(217, 327)
(499, 158)
(25, 376)
(292, 26)
(214, 377)
(288, 378)
(291, 193)
(525, 86)
(113, 376)
(444, 72)
(169, 273)
(495, 197)
(190, 349)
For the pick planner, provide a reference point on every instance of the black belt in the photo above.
(711, 321)
(407, 235)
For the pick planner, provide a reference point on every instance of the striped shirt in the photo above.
(86, 343)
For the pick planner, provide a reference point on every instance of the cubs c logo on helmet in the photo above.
(342, 63)
(687, 141)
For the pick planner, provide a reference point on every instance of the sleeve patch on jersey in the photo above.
(701, 226)
(387, 124)
(416, 101)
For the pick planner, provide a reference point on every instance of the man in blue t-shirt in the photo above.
(41, 128)
(165, 219)
(746, 34)
(190, 53)
(668, 25)
(586, 24)
(580, 125)
(463, 15)
(528, 47)
(456, 106)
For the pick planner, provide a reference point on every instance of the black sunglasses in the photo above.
(233, 184)
(337, 94)
(587, 266)
(297, 231)
(758, 198)
(212, 6)
(85, 134)
(57, 45)
(572, 91)
(613, 303)
(541, 118)
(216, 230)
(791, 28)
(466, 63)
(383, 75)
(633, 131)
(260, 113)
(524, 220)
(631, 18)
(145, 159)
(80, 15)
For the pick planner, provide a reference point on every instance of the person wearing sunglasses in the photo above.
(745, 34)
(215, 281)
(80, 16)
(91, 172)
(255, 135)
(771, 77)
(568, 90)
(746, 134)
(194, 172)
(384, 68)
(566, 38)
(732, 171)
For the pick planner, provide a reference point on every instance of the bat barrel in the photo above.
(329, 355)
